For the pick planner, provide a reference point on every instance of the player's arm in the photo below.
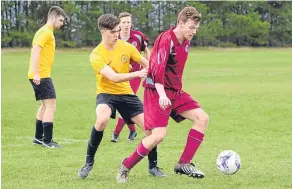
(144, 62)
(39, 44)
(110, 74)
(144, 46)
(137, 57)
(147, 53)
(100, 66)
(159, 58)
(36, 51)
(164, 101)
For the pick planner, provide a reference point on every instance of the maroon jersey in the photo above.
(167, 61)
(140, 41)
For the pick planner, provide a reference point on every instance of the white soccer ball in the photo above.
(228, 162)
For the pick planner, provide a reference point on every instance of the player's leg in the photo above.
(196, 134)
(190, 109)
(48, 123)
(145, 146)
(142, 150)
(133, 133)
(104, 110)
(103, 113)
(153, 169)
(154, 116)
(119, 126)
(135, 84)
(38, 138)
(133, 113)
(199, 121)
(47, 94)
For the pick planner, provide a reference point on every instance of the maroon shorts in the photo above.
(155, 116)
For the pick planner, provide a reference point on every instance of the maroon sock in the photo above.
(139, 153)
(132, 127)
(119, 126)
(193, 142)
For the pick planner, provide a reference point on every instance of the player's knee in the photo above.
(148, 132)
(203, 120)
(159, 137)
(101, 123)
(54, 108)
(51, 107)
(42, 108)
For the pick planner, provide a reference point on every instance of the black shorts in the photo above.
(45, 90)
(127, 105)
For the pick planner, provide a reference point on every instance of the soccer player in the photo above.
(164, 97)
(140, 41)
(39, 75)
(110, 61)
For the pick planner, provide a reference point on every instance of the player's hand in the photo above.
(143, 73)
(164, 102)
(36, 79)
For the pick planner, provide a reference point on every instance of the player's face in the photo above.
(189, 29)
(126, 24)
(59, 22)
(111, 36)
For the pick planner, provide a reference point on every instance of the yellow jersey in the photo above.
(119, 60)
(44, 37)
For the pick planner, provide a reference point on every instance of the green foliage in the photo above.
(247, 29)
(70, 44)
(5, 40)
(239, 23)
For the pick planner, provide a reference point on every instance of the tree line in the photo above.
(224, 23)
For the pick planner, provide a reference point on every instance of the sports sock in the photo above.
(193, 142)
(93, 143)
(139, 153)
(132, 127)
(39, 129)
(119, 126)
(152, 158)
(48, 131)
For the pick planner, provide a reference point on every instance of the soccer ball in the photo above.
(228, 162)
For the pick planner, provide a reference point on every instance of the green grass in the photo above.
(246, 92)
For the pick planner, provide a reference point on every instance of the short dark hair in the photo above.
(124, 14)
(56, 11)
(107, 21)
(189, 13)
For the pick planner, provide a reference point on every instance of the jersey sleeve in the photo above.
(159, 57)
(144, 42)
(42, 38)
(97, 62)
(135, 54)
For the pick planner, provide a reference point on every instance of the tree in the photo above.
(224, 23)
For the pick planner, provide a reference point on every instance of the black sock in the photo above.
(152, 158)
(39, 129)
(93, 143)
(48, 131)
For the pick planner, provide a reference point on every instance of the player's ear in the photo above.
(180, 23)
(198, 24)
(53, 19)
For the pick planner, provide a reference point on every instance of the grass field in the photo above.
(246, 92)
